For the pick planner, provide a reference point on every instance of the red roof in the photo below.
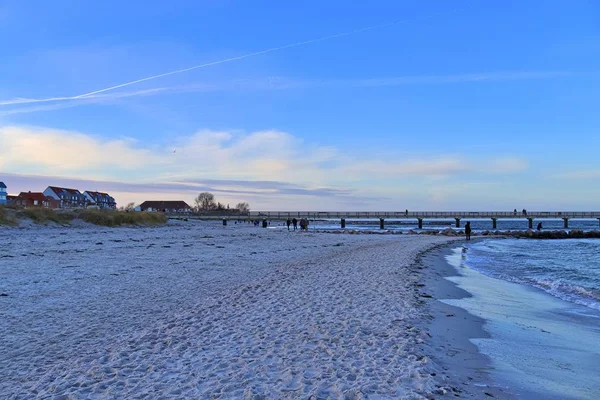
(60, 189)
(165, 205)
(97, 193)
(32, 196)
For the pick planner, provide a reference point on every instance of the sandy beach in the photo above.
(204, 311)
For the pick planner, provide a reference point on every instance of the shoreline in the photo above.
(457, 361)
(524, 342)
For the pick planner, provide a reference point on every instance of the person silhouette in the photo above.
(468, 230)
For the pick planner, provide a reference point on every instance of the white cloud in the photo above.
(237, 163)
(68, 152)
(424, 167)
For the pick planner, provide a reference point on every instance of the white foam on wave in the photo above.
(531, 268)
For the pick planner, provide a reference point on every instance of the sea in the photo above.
(567, 269)
(540, 300)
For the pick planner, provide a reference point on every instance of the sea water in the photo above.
(540, 303)
(568, 269)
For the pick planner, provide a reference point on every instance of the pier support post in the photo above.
(343, 223)
(494, 223)
(381, 224)
(457, 222)
(420, 223)
(530, 223)
(224, 221)
(566, 225)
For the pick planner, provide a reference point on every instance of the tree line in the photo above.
(205, 202)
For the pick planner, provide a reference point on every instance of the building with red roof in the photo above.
(35, 199)
(67, 198)
(101, 200)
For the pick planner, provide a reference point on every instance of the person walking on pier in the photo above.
(468, 230)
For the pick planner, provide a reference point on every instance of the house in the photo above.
(170, 207)
(101, 200)
(35, 199)
(67, 198)
(10, 200)
(2, 193)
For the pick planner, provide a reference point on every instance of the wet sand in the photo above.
(532, 345)
(457, 361)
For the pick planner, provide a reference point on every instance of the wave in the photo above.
(569, 270)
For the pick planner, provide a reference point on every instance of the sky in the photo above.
(383, 105)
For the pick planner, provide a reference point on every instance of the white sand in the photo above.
(203, 311)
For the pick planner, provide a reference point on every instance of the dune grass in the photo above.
(44, 216)
(7, 216)
(118, 218)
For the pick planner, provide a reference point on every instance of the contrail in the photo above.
(227, 60)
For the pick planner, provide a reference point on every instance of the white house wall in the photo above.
(50, 192)
(89, 198)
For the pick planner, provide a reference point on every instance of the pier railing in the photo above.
(424, 214)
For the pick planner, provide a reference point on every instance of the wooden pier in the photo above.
(419, 216)
(422, 215)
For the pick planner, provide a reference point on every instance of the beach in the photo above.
(201, 310)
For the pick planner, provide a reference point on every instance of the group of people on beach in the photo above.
(303, 223)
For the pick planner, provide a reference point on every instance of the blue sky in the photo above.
(461, 105)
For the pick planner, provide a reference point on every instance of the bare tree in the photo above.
(129, 207)
(205, 201)
(243, 208)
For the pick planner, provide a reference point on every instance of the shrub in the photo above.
(118, 218)
(7, 216)
(44, 215)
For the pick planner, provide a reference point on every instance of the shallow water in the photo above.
(541, 347)
(568, 269)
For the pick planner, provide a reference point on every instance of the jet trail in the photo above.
(227, 60)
